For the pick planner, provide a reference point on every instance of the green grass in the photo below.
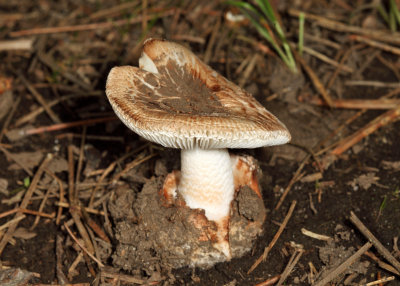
(262, 16)
(301, 33)
(391, 17)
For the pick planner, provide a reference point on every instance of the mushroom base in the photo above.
(153, 231)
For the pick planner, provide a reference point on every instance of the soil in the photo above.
(165, 236)
(116, 174)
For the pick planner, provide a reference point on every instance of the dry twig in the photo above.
(25, 201)
(337, 26)
(83, 247)
(383, 103)
(342, 267)
(274, 239)
(93, 26)
(315, 235)
(372, 126)
(315, 80)
(379, 246)
(39, 98)
(297, 176)
(376, 44)
(291, 264)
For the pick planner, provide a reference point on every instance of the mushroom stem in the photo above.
(207, 183)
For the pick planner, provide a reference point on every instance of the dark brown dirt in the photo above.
(169, 237)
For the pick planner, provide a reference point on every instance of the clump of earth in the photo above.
(152, 233)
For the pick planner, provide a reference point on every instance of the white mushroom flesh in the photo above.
(207, 181)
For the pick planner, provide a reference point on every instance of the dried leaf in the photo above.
(7, 101)
(3, 186)
(365, 181)
(311, 178)
(23, 233)
(14, 277)
(58, 165)
(29, 159)
(15, 199)
(394, 166)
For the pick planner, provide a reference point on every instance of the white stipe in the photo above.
(207, 181)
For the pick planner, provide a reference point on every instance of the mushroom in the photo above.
(177, 101)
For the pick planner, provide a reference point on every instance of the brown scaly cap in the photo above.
(183, 103)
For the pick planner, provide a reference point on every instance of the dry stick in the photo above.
(342, 267)
(81, 153)
(93, 26)
(378, 122)
(96, 251)
(381, 249)
(348, 121)
(39, 98)
(315, 235)
(144, 16)
(295, 178)
(132, 165)
(81, 228)
(249, 70)
(11, 222)
(9, 212)
(274, 239)
(109, 169)
(61, 126)
(337, 26)
(48, 61)
(380, 281)
(36, 213)
(73, 284)
(92, 137)
(376, 44)
(114, 10)
(74, 264)
(61, 197)
(83, 247)
(94, 226)
(315, 80)
(62, 279)
(9, 117)
(270, 281)
(291, 264)
(25, 201)
(73, 200)
(341, 63)
(107, 223)
(382, 264)
(32, 115)
(8, 146)
(101, 200)
(12, 45)
(16, 160)
(89, 210)
(211, 42)
(16, 210)
(326, 59)
(121, 277)
(372, 83)
(359, 103)
(323, 41)
(388, 63)
(42, 204)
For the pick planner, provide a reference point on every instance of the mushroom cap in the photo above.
(176, 100)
